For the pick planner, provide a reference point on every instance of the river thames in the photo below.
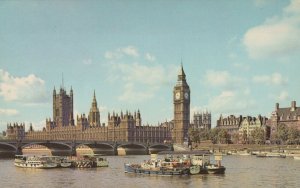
(241, 171)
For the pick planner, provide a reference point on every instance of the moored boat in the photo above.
(215, 169)
(66, 163)
(184, 165)
(24, 161)
(278, 155)
(296, 157)
(98, 159)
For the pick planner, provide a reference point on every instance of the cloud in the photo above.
(29, 89)
(277, 36)
(121, 52)
(283, 96)
(87, 61)
(8, 112)
(150, 57)
(274, 79)
(140, 81)
(231, 102)
(221, 78)
(130, 93)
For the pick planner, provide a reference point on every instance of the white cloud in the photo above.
(130, 93)
(231, 102)
(121, 52)
(150, 57)
(8, 112)
(130, 51)
(221, 78)
(283, 96)
(274, 79)
(135, 75)
(217, 78)
(29, 89)
(87, 61)
(277, 36)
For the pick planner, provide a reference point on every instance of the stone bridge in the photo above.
(65, 147)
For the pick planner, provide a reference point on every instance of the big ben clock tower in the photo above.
(181, 100)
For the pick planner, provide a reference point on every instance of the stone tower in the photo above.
(94, 115)
(181, 100)
(63, 108)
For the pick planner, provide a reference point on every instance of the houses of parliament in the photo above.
(125, 126)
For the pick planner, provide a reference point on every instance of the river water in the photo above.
(241, 171)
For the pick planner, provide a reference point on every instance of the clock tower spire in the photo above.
(181, 101)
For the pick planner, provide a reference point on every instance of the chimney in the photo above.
(293, 106)
(277, 106)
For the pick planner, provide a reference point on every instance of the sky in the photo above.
(240, 57)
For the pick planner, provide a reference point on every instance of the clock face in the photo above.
(186, 95)
(177, 95)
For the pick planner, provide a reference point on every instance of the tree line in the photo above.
(282, 135)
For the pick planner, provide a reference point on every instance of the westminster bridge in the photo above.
(68, 147)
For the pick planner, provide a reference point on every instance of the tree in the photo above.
(204, 134)
(282, 133)
(293, 135)
(258, 135)
(213, 135)
(235, 138)
(245, 137)
(223, 136)
(194, 135)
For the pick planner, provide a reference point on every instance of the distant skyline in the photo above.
(240, 57)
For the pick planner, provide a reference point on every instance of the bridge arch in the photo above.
(50, 145)
(8, 147)
(133, 146)
(98, 148)
(56, 148)
(132, 149)
(156, 148)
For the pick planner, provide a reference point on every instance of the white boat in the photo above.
(272, 154)
(297, 157)
(24, 161)
(65, 163)
(244, 154)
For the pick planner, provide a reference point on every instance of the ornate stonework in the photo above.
(181, 101)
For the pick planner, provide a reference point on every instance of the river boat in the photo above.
(24, 161)
(278, 155)
(180, 165)
(244, 153)
(271, 155)
(65, 162)
(98, 159)
(215, 169)
(261, 154)
(296, 157)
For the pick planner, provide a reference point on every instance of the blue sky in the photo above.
(240, 57)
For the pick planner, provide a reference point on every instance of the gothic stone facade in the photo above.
(124, 127)
(181, 101)
(202, 120)
(250, 123)
(289, 116)
(236, 125)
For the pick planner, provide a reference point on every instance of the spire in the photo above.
(94, 103)
(181, 74)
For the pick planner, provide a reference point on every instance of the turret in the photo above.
(293, 105)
